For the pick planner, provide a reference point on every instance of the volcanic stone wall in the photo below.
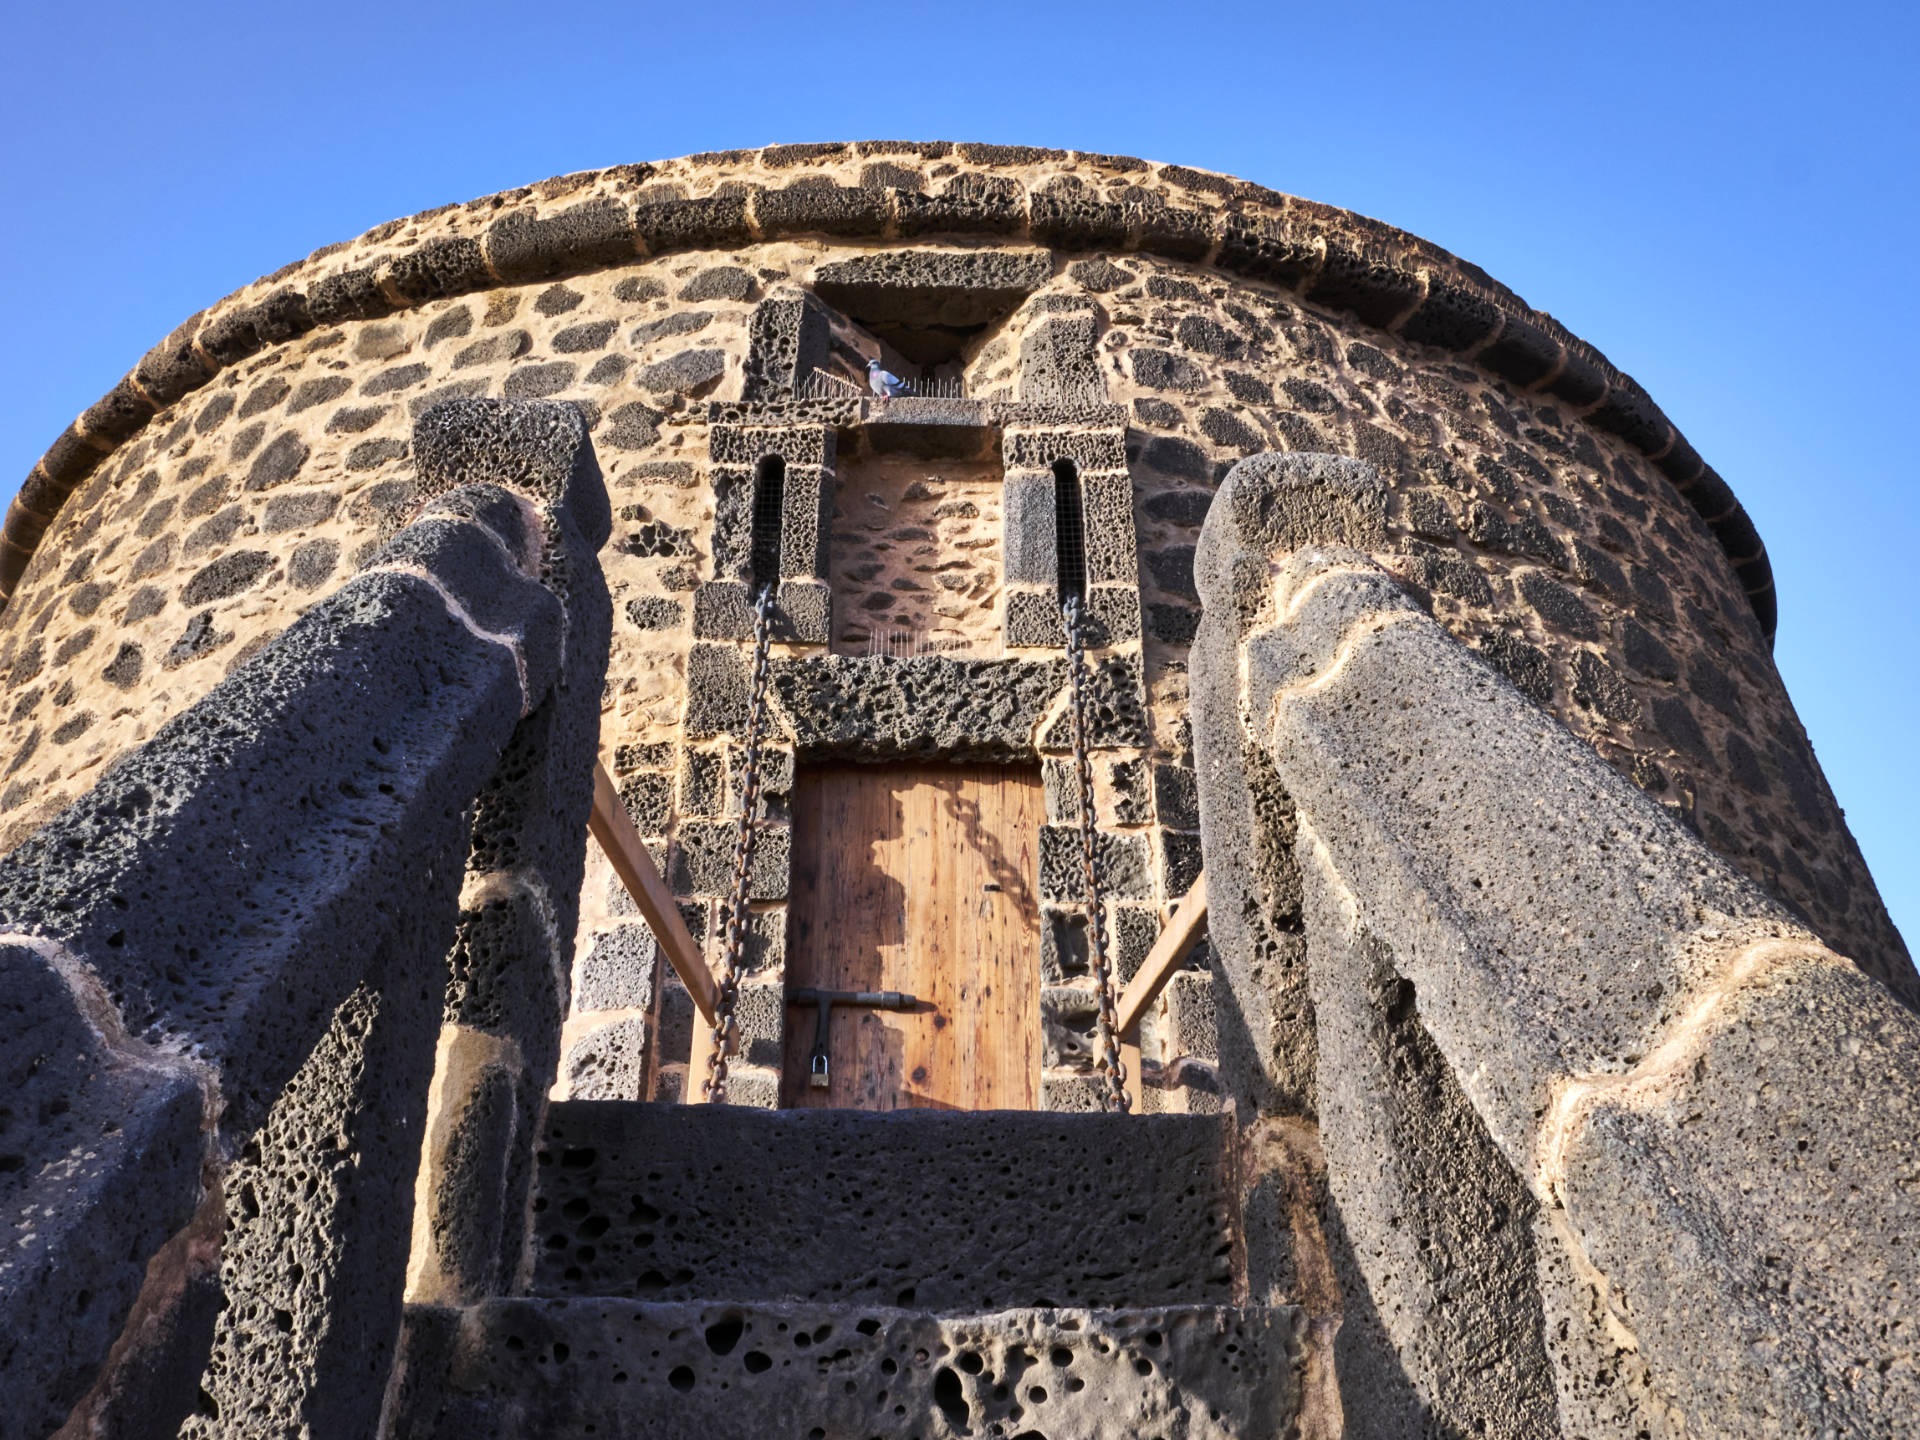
(226, 964)
(1584, 1094)
(1219, 320)
(892, 508)
(1564, 557)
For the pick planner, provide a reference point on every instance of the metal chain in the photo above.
(715, 1085)
(1105, 1023)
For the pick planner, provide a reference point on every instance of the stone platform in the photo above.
(925, 1210)
(629, 1370)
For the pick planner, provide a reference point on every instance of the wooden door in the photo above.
(923, 879)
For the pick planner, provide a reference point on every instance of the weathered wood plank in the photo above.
(922, 878)
(613, 829)
(1169, 953)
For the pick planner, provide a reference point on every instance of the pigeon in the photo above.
(882, 383)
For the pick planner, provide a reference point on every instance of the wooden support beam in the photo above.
(1169, 952)
(613, 829)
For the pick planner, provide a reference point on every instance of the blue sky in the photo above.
(1716, 195)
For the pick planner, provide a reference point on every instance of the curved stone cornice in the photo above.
(865, 191)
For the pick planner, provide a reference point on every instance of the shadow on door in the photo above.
(920, 878)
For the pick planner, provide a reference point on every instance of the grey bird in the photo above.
(883, 383)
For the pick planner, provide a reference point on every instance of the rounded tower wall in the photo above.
(1536, 505)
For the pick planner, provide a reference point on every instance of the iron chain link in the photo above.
(734, 956)
(1115, 1097)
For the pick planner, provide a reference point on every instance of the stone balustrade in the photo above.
(1614, 1143)
(226, 968)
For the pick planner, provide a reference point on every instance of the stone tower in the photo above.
(1410, 623)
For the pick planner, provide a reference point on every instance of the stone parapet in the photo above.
(509, 988)
(628, 1369)
(1537, 995)
(911, 1208)
(236, 942)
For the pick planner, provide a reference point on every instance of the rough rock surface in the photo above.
(952, 1212)
(1647, 1042)
(957, 709)
(294, 983)
(516, 1368)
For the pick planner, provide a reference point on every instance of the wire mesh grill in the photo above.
(904, 644)
(769, 499)
(938, 387)
(1069, 532)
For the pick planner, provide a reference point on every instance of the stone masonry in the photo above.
(227, 966)
(1592, 1104)
(1567, 1147)
(254, 455)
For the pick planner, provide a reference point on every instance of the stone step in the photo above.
(525, 1369)
(941, 1211)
